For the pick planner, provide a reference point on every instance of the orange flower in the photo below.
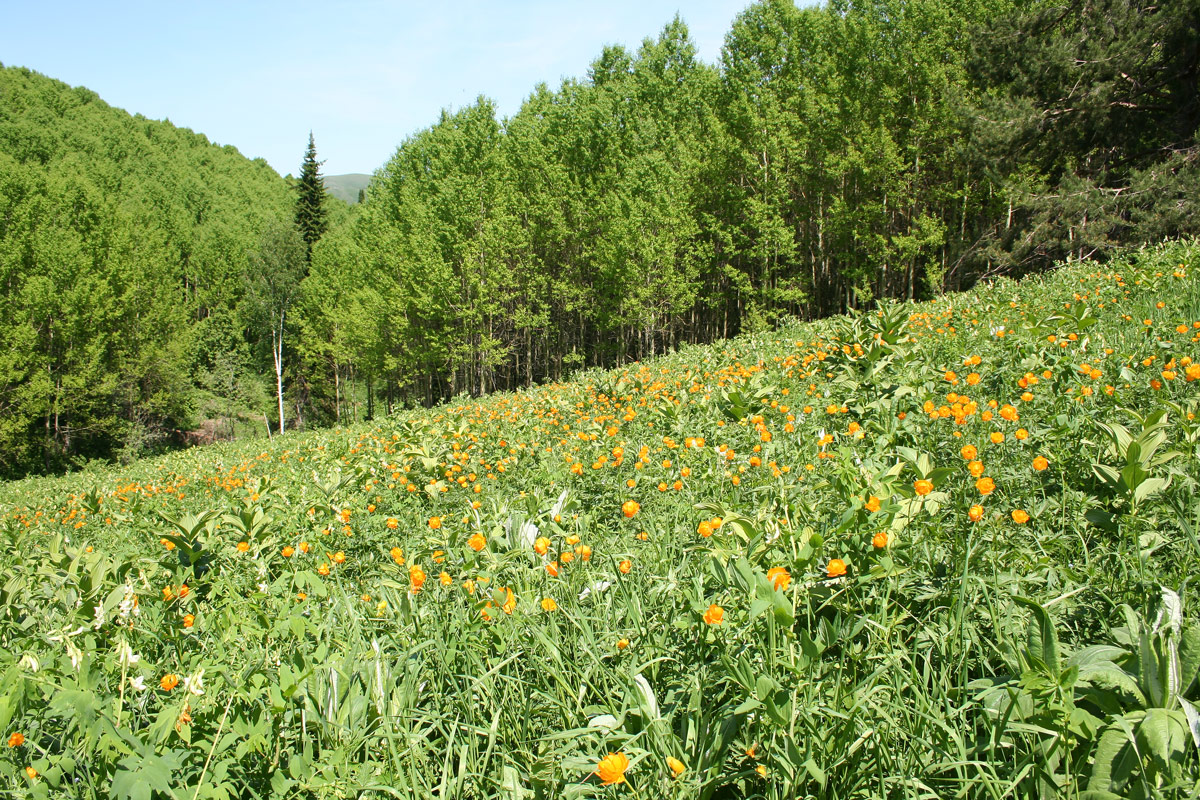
(705, 529)
(189, 620)
(676, 766)
(510, 601)
(552, 569)
(975, 513)
(872, 504)
(969, 453)
(169, 681)
(416, 578)
(1020, 517)
(975, 468)
(16, 740)
(541, 545)
(435, 523)
(1040, 463)
(715, 615)
(548, 604)
(835, 568)
(985, 486)
(397, 555)
(622, 644)
(445, 578)
(625, 566)
(922, 487)
(997, 437)
(304, 547)
(879, 540)
(779, 578)
(289, 551)
(339, 557)
(323, 569)
(393, 523)
(629, 508)
(477, 541)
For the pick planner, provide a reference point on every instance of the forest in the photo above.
(158, 290)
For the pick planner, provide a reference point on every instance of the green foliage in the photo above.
(123, 243)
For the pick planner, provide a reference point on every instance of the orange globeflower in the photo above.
(779, 577)
(477, 541)
(715, 615)
(397, 555)
(625, 566)
(629, 508)
(922, 487)
(1040, 463)
(435, 522)
(339, 557)
(289, 551)
(985, 486)
(169, 681)
(873, 504)
(622, 644)
(705, 529)
(416, 578)
(1020, 517)
(975, 468)
(552, 569)
(835, 568)
(393, 523)
(969, 453)
(541, 545)
(548, 604)
(189, 620)
(611, 769)
(16, 740)
(997, 437)
(975, 513)
(879, 540)
(676, 766)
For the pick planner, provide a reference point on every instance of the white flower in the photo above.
(138, 683)
(98, 611)
(29, 661)
(125, 654)
(598, 586)
(194, 683)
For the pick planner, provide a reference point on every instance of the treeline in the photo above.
(833, 156)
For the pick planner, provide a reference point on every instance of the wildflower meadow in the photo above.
(935, 550)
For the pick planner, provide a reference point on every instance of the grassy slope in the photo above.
(837, 687)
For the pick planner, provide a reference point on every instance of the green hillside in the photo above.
(346, 187)
(124, 249)
(931, 550)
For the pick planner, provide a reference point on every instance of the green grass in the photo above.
(1051, 658)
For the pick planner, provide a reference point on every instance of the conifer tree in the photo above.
(310, 205)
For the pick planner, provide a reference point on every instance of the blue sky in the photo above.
(362, 76)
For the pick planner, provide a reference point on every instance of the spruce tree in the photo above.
(310, 205)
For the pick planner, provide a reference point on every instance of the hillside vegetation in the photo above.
(927, 550)
(124, 252)
(833, 156)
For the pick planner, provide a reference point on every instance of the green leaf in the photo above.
(1043, 639)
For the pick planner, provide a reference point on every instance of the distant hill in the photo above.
(346, 187)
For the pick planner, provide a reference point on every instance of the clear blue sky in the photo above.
(361, 75)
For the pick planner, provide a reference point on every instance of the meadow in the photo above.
(926, 551)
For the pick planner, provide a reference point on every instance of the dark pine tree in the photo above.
(310, 205)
